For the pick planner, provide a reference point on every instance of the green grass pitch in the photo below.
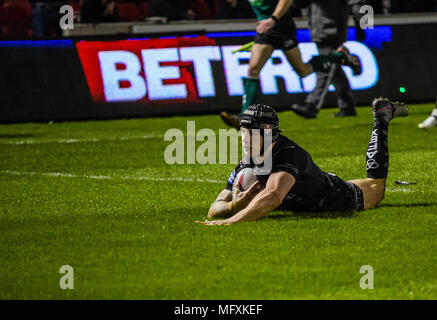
(98, 196)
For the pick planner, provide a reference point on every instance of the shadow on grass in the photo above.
(411, 205)
(311, 215)
(26, 135)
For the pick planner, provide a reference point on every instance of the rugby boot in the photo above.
(387, 110)
(307, 110)
(232, 120)
(349, 59)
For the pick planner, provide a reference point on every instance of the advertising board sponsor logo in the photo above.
(181, 70)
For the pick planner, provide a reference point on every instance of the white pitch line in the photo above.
(21, 142)
(179, 179)
(78, 140)
(69, 175)
(400, 190)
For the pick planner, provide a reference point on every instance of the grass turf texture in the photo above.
(132, 238)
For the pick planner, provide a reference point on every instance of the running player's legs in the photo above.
(295, 58)
(259, 55)
(377, 157)
(321, 62)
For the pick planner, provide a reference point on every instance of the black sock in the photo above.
(377, 152)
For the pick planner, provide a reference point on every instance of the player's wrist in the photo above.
(232, 220)
(274, 18)
(231, 206)
(235, 206)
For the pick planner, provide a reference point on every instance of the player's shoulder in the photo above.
(285, 144)
(287, 149)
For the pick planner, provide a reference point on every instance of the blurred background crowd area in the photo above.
(40, 18)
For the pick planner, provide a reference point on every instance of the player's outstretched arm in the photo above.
(225, 207)
(277, 187)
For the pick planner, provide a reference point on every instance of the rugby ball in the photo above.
(245, 179)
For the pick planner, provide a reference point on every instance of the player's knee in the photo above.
(379, 192)
(302, 73)
(380, 197)
(376, 197)
(254, 71)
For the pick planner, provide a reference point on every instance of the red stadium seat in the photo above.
(144, 8)
(128, 12)
(76, 5)
(24, 4)
(16, 18)
(202, 9)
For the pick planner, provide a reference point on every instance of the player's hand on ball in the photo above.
(265, 25)
(242, 198)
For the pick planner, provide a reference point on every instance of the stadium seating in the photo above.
(16, 18)
(23, 4)
(76, 5)
(129, 12)
(144, 8)
(202, 10)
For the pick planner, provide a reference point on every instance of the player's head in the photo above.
(258, 121)
(261, 117)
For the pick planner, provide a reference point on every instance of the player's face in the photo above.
(252, 142)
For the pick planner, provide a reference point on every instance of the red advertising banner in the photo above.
(145, 70)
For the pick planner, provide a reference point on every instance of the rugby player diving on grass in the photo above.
(294, 182)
